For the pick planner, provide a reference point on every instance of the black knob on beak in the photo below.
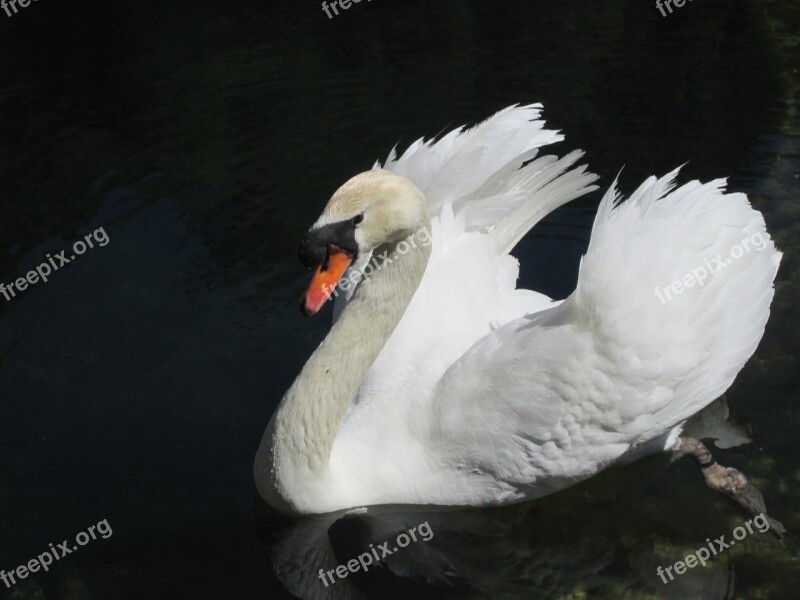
(313, 250)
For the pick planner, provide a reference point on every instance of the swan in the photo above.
(441, 383)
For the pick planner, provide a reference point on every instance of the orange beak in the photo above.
(325, 279)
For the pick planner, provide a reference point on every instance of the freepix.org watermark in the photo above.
(666, 3)
(698, 276)
(57, 552)
(701, 555)
(44, 270)
(364, 560)
(5, 4)
(421, 236)
(343, 4)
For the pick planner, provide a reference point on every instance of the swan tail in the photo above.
(491, 175)
(683, 274)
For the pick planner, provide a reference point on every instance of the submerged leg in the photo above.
(729, 481)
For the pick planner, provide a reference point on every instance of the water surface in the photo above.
(205, 138)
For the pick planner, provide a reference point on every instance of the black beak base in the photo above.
(313, 250)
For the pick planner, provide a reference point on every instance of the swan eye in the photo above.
(357, 219)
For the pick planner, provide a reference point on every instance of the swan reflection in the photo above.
(566, 546)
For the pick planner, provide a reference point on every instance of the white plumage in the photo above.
(487, 394)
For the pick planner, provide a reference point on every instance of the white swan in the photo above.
(440, 383)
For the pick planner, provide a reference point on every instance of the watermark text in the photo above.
(43, 271)
(354, 276)
(667, 3)
(365, 559)
(698, 276)
(57, 552)
(343, 4)
(703, 554)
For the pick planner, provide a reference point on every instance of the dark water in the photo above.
(204, 138)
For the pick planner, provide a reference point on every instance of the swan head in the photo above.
(370, 210)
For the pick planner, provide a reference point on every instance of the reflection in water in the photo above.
(514, 552)
(585, 540)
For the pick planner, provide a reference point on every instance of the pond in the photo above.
(201, 140)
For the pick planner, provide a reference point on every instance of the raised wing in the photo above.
(552, 397)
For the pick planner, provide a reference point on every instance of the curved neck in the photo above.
(304, 427)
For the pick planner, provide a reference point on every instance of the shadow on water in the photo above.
(205, 139)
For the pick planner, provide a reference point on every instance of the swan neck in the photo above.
(305, 425)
